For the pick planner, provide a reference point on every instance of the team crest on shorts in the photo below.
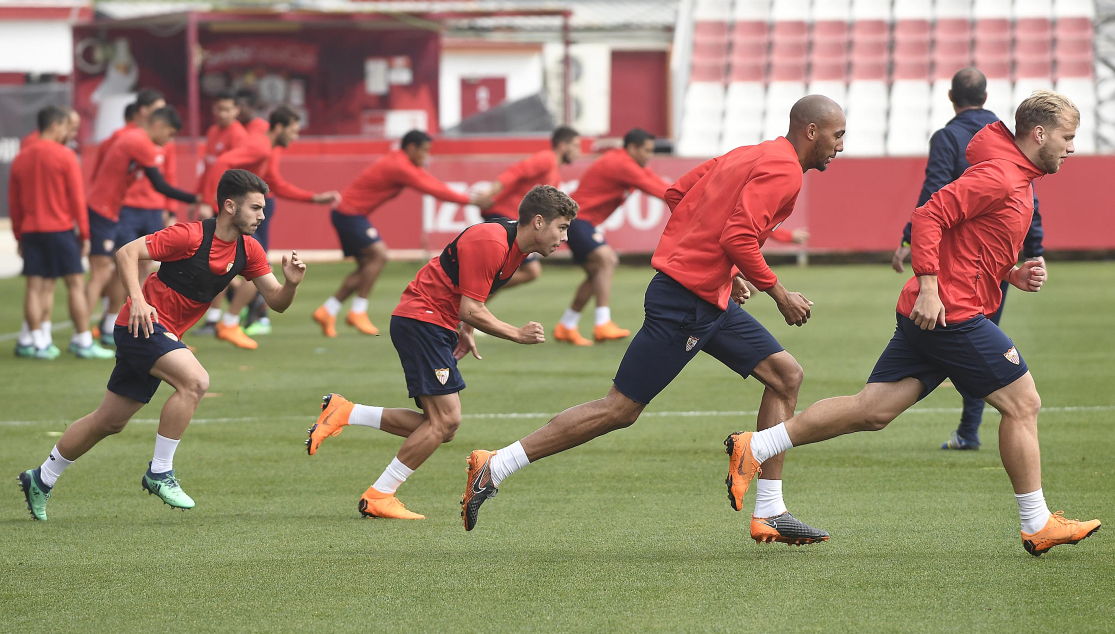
(108, 245)
(442, 375)
(228, 268)
(171, 336)
(1012, 355)
(690, 343)
(598, 237)
(373, 233)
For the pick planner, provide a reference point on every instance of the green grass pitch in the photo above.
(631, 532)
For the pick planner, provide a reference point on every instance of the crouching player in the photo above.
(198, 261)
(447, 292)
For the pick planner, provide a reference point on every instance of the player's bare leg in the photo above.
(359, 282)
(101, 272)
(82, 344)
(337, 412)
(600, 266)
(33, 311)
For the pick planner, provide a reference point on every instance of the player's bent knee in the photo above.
(197, 385)
(877, 421)
(448, 428)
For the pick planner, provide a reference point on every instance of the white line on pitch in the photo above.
(8, 336)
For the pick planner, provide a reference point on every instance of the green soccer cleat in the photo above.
(24, 352)
(259, 328)
(166, 486)
(108, 340)
(92, 351)
(35, 492)
(46, 354)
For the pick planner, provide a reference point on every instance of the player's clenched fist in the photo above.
(294, 269)
(1030, 276)
(532, 333)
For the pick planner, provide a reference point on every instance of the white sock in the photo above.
(38, 339)
(571, 318)
(230, 320)
(332, 306)
(366, 415)
(770, 442)
(82, 339)
(359, 305)
(603, 315)
(507, 461)
(395, 474)
(1033, 511)
(109, 323)
(48, 330)
(213, 314)
(53, 467)
(25, 338)
(768, 498)
(163, 460)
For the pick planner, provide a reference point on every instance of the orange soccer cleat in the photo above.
(1057, 531)
(570, 335)
(478, 486)
(235, 335)
(361, 322)
(610, 332)
(335, 410)
(738, 448)
(327, 322)
(386, 506)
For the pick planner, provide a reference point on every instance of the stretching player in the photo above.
(965, 242)
(378, 183)
(448, 294)
(198, 259)
(46, 202)
(603, 188)
(946, 163)
(723, 212)
(513, 184)
(247, 100)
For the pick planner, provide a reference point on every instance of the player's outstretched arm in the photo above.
(142, 315)
(279, 297)
(477, 315)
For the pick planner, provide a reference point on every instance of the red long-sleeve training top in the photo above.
(723, 212)
(384, 179)
(219, 140)
(45, 193)
(607, 183)
(520, 178)
(258, 157)
(969, 233)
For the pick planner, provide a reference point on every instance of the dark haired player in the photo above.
(378, 183)
(603, 188)
(723, 212)
(540, 169)
(198, 260)
(448, 294)
(247, 100)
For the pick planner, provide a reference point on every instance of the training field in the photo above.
(632, 532)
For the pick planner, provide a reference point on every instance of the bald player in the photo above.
(723, 212)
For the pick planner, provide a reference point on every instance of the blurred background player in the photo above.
(247, 100)
(260, 154)
(73, 123)
(541, 169)
(198, 259)
(947, 162)
(135, 150)
(447, 294)
(46, 202)
(378, 183)
(603, 188)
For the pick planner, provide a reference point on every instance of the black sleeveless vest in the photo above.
(452, 265)
(192, 277)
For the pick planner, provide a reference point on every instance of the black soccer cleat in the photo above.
(785, 529)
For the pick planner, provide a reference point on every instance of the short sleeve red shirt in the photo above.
(483, 254)
(133, 152)
(179, 242)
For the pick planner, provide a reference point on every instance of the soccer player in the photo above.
(378, 183)
(247, 100)
(965, 242)
(261, 154)
(723, 212)
(198, 259)
(432, 328)
(46, 202)
(138, 149)
(73, 122)
(540, 169)
(603, 188)
(946, 163)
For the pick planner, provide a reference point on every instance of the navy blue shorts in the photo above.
(136, 223)
(677, 326)
(533, 257)
(135, 356)
(356, 232)
(583, 239)
(263, 231)
(975, 355)
(426, 351)
(102, 235)
(51, 254)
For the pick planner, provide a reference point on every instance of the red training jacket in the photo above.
(607, 183)
(520, 178)
(383, 180)
(45, 193)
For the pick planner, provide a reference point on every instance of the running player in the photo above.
(198, 259)
(46, 202)
(723, 212)
(261, 155)
(965, 243)
(603, 188)
(378, 183)
(432, 328)
(513, 184)
(946, 163)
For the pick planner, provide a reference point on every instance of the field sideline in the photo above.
(631, 532)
